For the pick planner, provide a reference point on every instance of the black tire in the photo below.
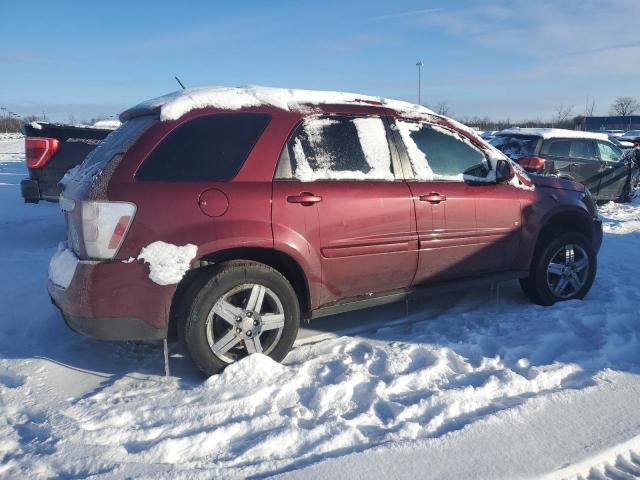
(227, 277)
(625, 196)
(537, 287)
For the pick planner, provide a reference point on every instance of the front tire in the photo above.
(246, 307)
(564, 268)
(625, 196)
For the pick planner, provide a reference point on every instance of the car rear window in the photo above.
(208, 148)
(116, 143)
(516, 146)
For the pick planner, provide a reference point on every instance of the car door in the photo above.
(575, 159)
(615, 171)
(341, 166)
(585, 166)
(465, 227)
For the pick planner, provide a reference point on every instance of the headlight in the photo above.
(590, 202)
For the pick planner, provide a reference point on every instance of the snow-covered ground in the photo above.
(477, 384)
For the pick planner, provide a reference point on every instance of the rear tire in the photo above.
(246, 307)
(564, 268)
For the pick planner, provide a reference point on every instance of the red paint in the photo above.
(213, 202)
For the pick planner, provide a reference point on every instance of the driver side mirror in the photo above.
(504, 171)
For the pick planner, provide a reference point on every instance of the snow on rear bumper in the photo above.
(110, 300)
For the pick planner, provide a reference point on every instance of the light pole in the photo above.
(419, 65)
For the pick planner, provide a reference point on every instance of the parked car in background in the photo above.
(488, 135)
(629, 136)
(586, 157)
(287, 204)
(612, 133)
(622, 145)
(52, 149)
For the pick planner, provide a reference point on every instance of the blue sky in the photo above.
(517, 59)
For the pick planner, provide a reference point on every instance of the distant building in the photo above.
(596, 124)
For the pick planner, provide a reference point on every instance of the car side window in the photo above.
(208, 148)
(556, 148)
(583, 149)
(337, 148)
(437, 153)
(609, 153)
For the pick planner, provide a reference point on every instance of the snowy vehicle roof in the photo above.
(174, 105)
(547, 133)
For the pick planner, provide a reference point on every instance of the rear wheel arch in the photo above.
(196, 278)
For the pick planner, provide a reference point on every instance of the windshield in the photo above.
(516, 146)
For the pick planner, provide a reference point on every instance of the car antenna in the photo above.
(179, 82)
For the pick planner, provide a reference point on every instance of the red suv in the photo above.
(230, 214)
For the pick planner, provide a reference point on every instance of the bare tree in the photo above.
(562, 113)
(624, 106)
(590, 106)
(443, 108)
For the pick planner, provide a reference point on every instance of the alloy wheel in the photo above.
(568, 271)
(247, 319)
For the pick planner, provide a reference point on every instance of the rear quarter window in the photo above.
(209, 148)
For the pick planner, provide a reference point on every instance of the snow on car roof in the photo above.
(176, 104)
(547, 133)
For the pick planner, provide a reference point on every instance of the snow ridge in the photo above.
(174, 105)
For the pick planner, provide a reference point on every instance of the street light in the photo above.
(419, 65)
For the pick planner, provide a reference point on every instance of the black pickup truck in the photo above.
(53, 149)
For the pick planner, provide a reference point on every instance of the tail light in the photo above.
(103, 227)
(532, 164)
(39, 151)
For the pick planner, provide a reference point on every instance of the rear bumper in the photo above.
(111, 328)
(113, 301)
(31, 192)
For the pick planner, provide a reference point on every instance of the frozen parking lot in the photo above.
(465, 384)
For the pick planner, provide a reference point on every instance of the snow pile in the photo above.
(11, 147)
(107, 124)
(62, 266)
(176, 104)
(547, 133)
(167, 262)
(621, 218)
